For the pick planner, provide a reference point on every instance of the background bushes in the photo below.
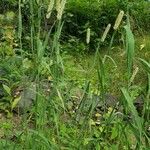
(81, 14)
(97, 14)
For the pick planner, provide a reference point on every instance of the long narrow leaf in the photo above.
(130, 44)
(137, 124)
(145, 64)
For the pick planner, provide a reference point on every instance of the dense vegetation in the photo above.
(74, 74)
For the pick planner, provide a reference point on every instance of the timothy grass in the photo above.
(70, 110)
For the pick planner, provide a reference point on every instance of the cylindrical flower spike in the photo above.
(118, 20)
(88, 36)
(60, 7)
(105, 32)
(50, 8)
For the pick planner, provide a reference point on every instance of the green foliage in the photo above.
(74, 46)
(66, 95)
(7, 32)
(8, 5)
(140, 15)
(98, 14)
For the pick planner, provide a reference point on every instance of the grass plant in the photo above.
(63, 119)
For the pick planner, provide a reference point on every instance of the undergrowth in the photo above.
(51, 100)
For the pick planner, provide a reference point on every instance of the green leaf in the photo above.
(145, 64)
(137, 120)
(7, 89)
(98, 146)
(114, 133)
(130, 45)
(15, 102)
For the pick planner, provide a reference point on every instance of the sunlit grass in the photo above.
(78, 68)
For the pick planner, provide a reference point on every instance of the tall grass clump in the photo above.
(137, 125)
(46, 108)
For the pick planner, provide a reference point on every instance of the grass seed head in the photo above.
(88, 36)
(60, 5)
(105, 32)
(50, 8)
(134, 74)
(118, 20)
